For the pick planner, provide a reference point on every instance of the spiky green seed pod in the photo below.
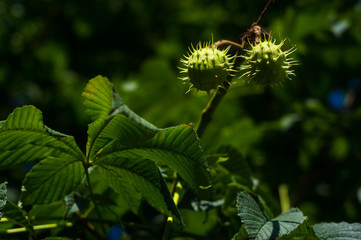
(266, 64)
(206, 67)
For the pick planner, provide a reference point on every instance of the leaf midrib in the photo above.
(74, 151)
(104, 165)
(99, 157)
(106, 122)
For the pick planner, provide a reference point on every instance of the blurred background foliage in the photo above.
(305, 134)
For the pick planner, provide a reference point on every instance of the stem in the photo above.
(284, 198)
(86, 219)
(268, 6)
(95, 203)
(91, 229)
(208, 111)
(205, 119)
(170, 220)
(39, 227)
(222, 43)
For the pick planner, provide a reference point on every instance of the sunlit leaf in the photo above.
(126, 135)
(176, 147)
(52, 179)
(134, 176)
(102, 102)
(24, 138)
(338, 231)
(118, 133)
(98, 98)
(303, 231)
(259, 226)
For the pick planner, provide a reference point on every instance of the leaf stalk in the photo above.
(93, 199)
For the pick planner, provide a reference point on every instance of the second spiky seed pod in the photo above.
(206, 67)
(267, 64)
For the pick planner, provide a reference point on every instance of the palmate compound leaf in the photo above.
(126, 135)
(338, 231)
(102, 102)
(123, 138)
(177, 147)
(24, 138)
(259, 226)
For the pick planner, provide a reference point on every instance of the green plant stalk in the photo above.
(94, 202)
(70, 224)
(204, 121)
(170, 220)
(39, 227)
(284, 198)
(208, 111)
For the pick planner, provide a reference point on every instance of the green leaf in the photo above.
(98, 98)
(102, 102)
(41, 214)
(236, 164)
(120, 107)
(15, 213)
(241, 235)
(259, 226)
(3, 197)
(123, 134)
(251, 214)
(137, 178)
(75, 202)
(24, 138)
(176, 147)
(338, 231)
(303, 231)
(123, 185)
(118, 133)
(52, 179)
(118, 139)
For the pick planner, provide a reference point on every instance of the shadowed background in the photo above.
(305, 134)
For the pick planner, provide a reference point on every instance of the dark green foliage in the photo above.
(305, 134)
(126, 152)
(125, 149)
(18, 215)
